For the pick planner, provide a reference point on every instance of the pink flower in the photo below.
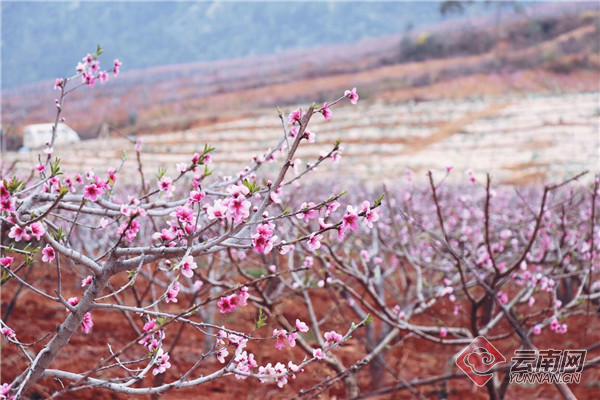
(6, 261)
(280, 336)
(243, 297)
(7, 204)
(314, 242)
(172, 292)
(73, 301)
(6, 331)
(88, 79)
(129, 229)
(162, 361)
(364, 254)
(502, 297)
(296, 166)
(103, 76)
(263, 239)
(138, 145)
(148, 326)
(238, 208)
(164, 184)
(332, 337)
(4, 193)
(87, 323)
(331, 207)
(326, 111)
(227, 304)
(154, 345)
(309, 136)
(308, 212)
(537, 329)
(236, 190)
(336, 155)
(318, 354)
(263, 244)
(86, 281)
(91, 192)
(352, 95)
(291, 338)
(370, 215)
(286, 248)
(308, 262)
(117, 65)
(294, 117)
(164, 234)
(443, 332)
(217, 211)
(196, 196)
(18, 234)
(184, 214)
(187, 266)
(95, 66)
(301, 326)
(324, 225)
(274, 195)
(48, 254)
(181, 167)
(221, 354)
(348, 221)
(5, 389)
(58, 83)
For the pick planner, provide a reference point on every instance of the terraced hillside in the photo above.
(517, 139)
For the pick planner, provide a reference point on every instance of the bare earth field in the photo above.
(412, 358)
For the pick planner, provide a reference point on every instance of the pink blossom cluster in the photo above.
(557, 326)
(4, 392)
(263, 238)
(96, 188)
(54, 184)
(89, 69)
(162, 362)
(152, 341)
(172, 292)
(278, 373)
(5, 262)
(332, 337)
(284, 338)
(243, 361)
(229, 303)
(19, 233)
(236, 207)
(7, 203)
(87, 322)
(6, 331)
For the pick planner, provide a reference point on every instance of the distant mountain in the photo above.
(42, 40)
